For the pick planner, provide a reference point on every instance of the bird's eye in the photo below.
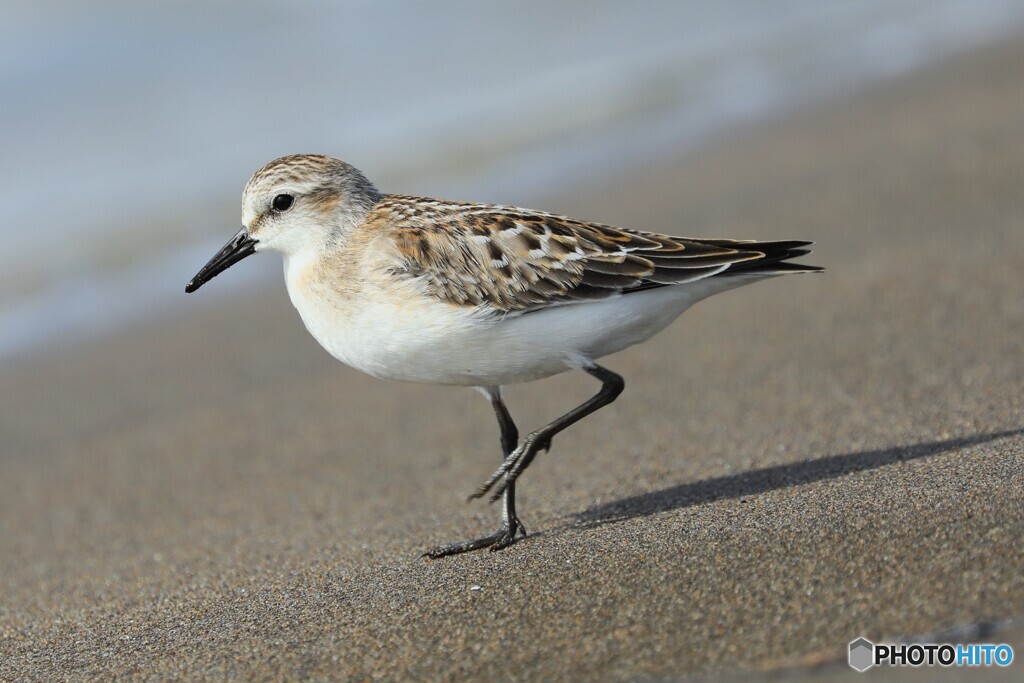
(283, 202)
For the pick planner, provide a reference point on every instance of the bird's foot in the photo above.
(502, 538)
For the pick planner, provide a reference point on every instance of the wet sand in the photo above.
(791, 465)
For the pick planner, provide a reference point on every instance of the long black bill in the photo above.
(240, 246)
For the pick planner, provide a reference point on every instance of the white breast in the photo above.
(396, 332)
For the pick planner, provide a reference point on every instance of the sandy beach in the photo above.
(792, 465)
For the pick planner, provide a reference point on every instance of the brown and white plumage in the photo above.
(513, 260)
(441, 292)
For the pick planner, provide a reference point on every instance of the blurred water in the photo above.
(129, 129)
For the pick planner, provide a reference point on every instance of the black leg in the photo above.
(510, 524)
(509, 441)
(517, 461)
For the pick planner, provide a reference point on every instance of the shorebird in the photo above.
(452, 293)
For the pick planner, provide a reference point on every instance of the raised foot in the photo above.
(502, 538)
(512, 467)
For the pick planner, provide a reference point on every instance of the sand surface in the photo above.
(791, 465)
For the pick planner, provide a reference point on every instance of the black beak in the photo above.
(240, 246)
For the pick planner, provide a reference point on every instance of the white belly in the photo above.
(436, 343)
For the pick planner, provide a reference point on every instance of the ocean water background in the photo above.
(128, 130)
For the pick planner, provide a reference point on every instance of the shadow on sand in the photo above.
(771, 478)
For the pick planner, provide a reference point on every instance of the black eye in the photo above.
(283, 202)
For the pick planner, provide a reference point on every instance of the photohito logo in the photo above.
(864, 654)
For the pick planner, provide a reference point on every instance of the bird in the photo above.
(477, 295)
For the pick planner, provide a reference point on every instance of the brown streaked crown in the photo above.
(313, 175)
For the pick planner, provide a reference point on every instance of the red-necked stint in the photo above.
(477, 295)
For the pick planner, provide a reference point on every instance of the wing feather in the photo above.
(516, 260)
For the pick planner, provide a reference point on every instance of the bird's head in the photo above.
(296, 205)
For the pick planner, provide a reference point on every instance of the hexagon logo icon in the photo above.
(862, 654)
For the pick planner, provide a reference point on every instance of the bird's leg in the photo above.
(509, 441)
(514, 464)
(510, 524)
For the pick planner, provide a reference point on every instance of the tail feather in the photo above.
(765, 260)
(775, 261)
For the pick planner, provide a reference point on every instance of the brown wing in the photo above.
(513, 259)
